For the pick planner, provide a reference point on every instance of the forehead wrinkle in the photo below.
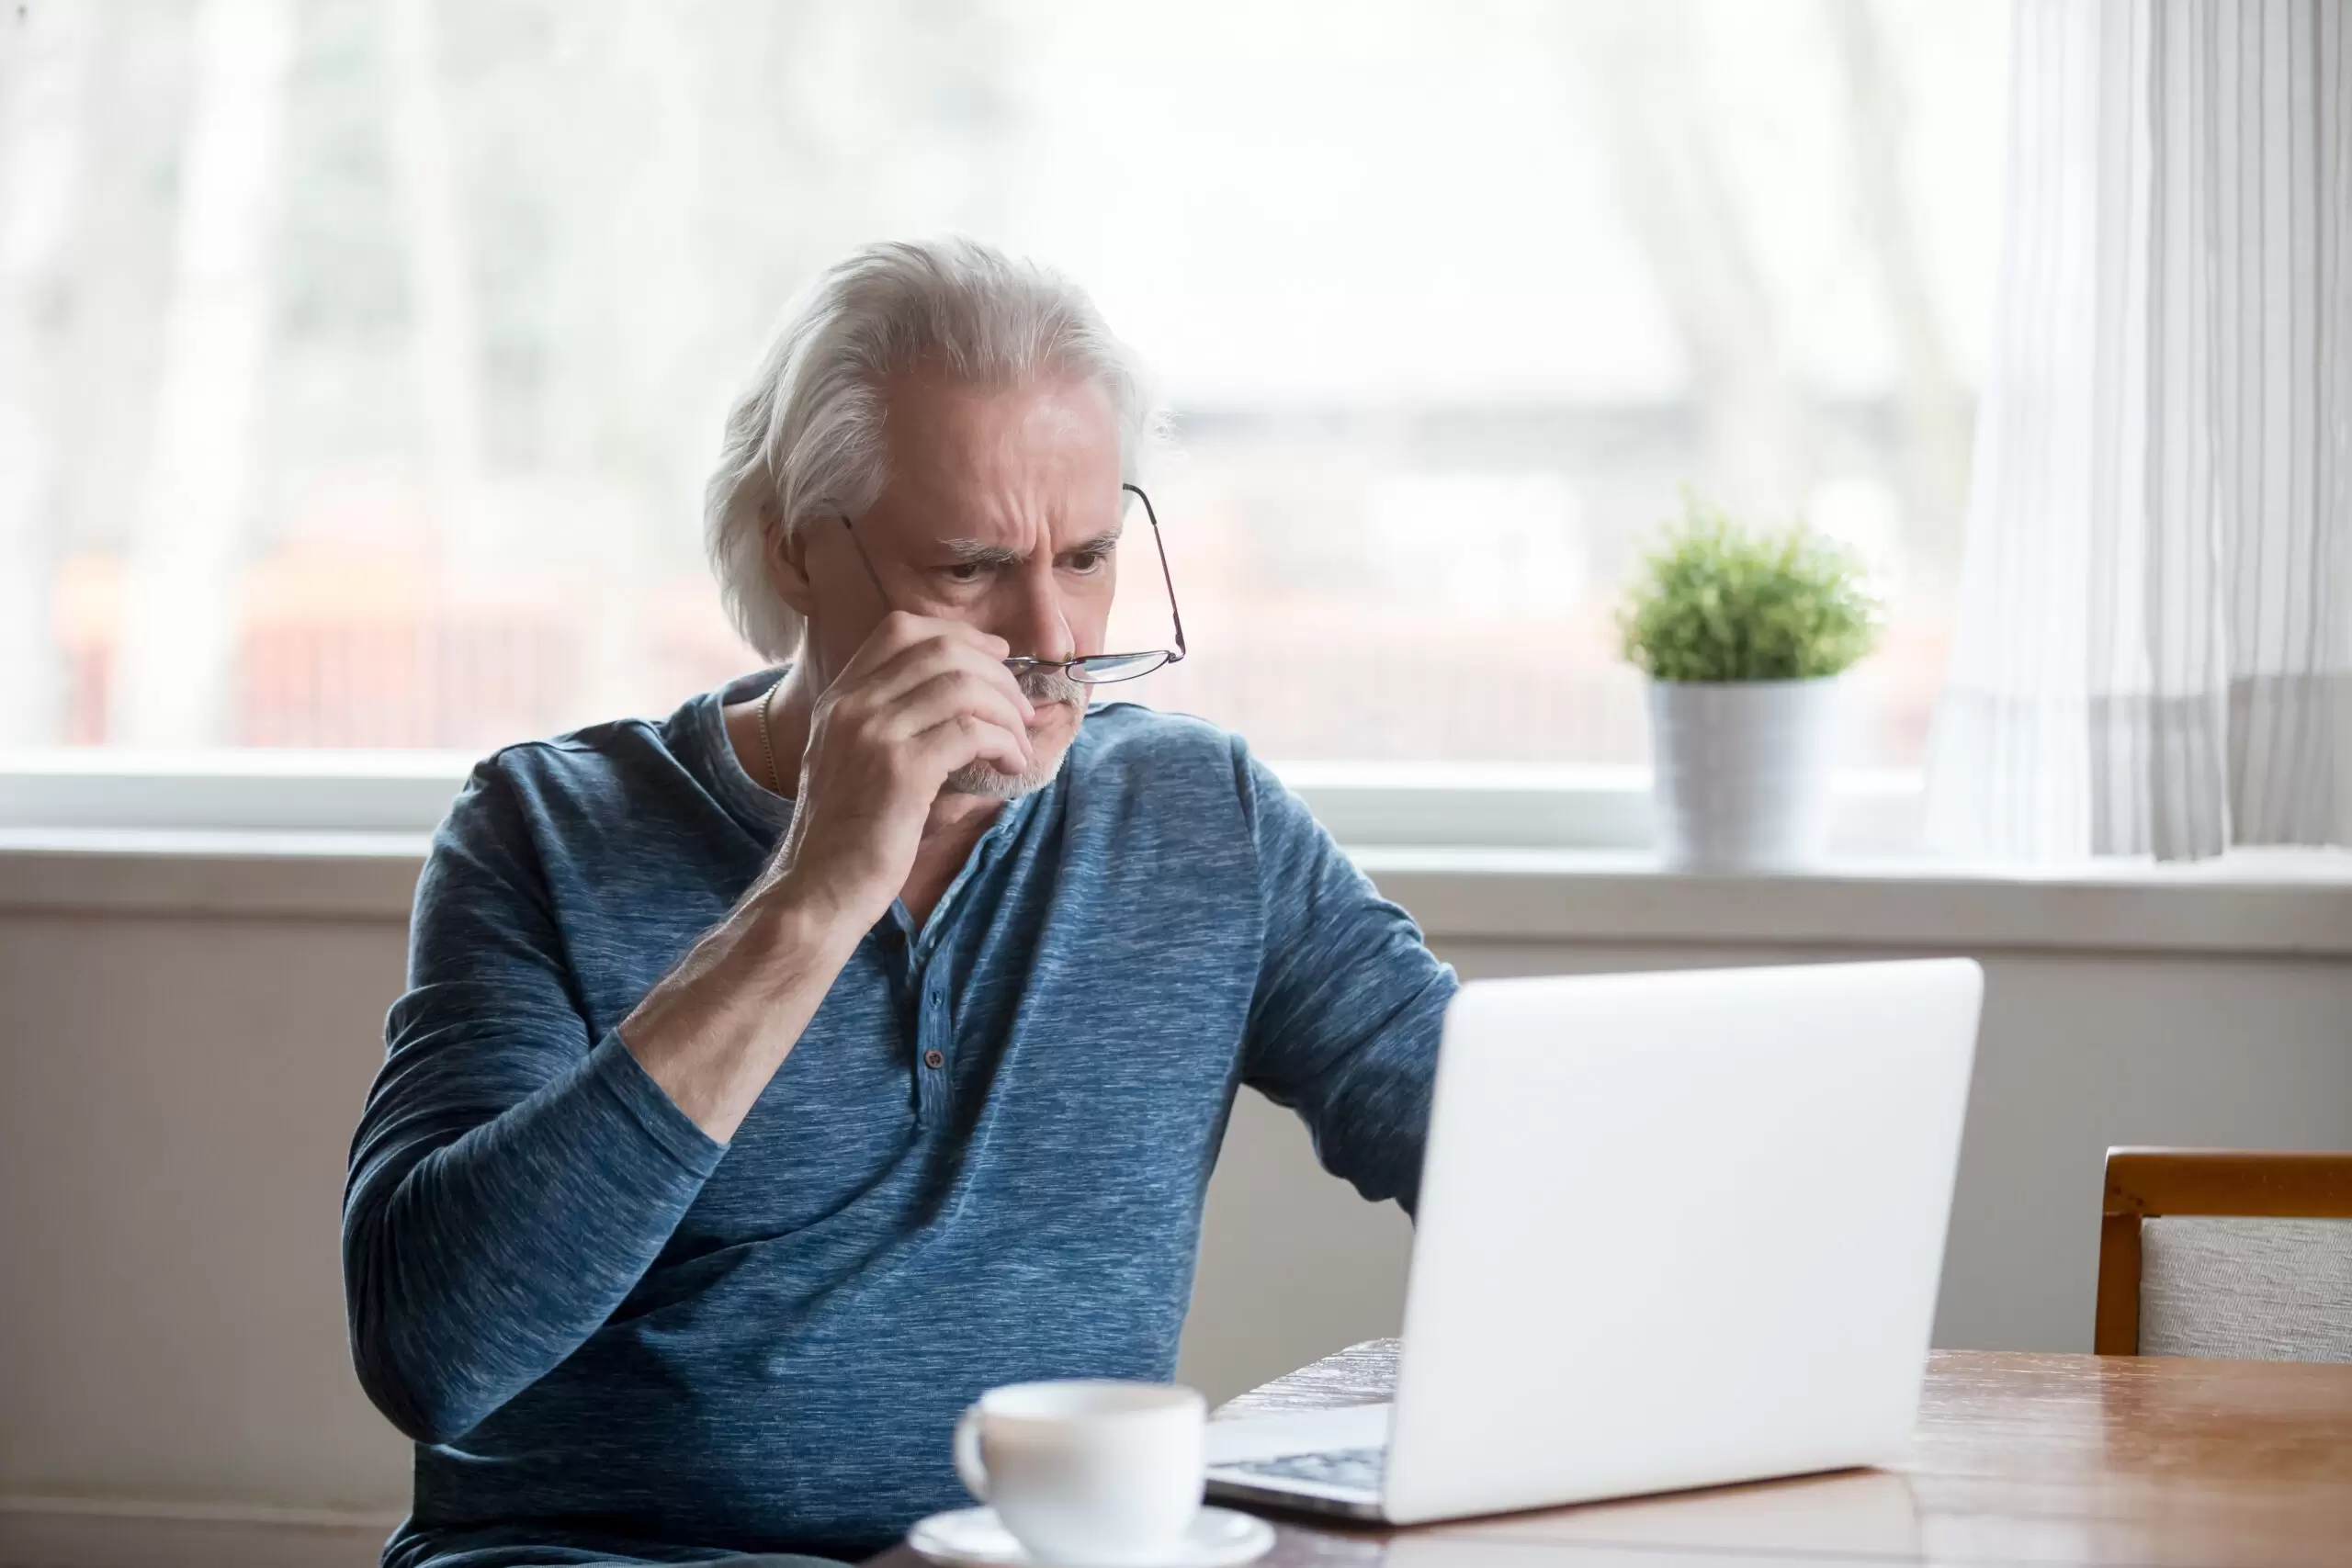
(947, 439)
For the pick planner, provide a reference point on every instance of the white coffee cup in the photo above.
(1095, 1473)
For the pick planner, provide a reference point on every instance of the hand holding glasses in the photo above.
(1088, 668)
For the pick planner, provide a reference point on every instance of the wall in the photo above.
(188, 1040)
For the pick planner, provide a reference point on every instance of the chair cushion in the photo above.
(2263, 1289)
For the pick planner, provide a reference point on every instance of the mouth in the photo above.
(1045, 706)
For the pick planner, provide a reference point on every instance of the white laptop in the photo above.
(1675, 1230)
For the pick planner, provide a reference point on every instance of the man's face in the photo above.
(1002, 511)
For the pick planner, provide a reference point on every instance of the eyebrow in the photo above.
(972, 552)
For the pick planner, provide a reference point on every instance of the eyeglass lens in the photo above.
(1098, 669)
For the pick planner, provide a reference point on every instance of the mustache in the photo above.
(1050, 686)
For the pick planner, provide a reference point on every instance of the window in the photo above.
(360, 363)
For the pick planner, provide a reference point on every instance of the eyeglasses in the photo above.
(1088, 668)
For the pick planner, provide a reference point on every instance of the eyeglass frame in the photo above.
(1070, 667)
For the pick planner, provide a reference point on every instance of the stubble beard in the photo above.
(981, 777)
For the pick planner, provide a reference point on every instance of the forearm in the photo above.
(476, 1260)
(920, 700)
(474, 1266)
(1351, 1002)
(713, 1031)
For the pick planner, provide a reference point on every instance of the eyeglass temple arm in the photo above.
(1166, 577)
(871, 575)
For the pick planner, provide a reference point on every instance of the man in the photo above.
(772, 1079)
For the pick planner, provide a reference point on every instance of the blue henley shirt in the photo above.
(614, 1337)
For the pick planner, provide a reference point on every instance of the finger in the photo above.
(942, 697)
(892, 635)
(892, 681)
(964, 739)
(902, 637)
(936, 684)
(900, 630)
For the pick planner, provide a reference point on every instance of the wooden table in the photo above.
(2019, 1459)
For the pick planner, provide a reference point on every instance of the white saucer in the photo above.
(971, 1538)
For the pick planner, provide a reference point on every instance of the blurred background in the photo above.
(361, 364)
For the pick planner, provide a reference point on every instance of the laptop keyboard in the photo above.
(1357, 1468)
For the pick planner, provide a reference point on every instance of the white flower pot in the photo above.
(1741, 772)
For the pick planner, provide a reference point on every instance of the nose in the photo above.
(1036, 624)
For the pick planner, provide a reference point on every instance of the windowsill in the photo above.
(2277, 905)
(228, 872)
(2282, 905)
(1473, 804)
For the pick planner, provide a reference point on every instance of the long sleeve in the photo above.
(511, 1179)
(1343, 1026)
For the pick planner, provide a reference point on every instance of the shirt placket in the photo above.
(934, 1031)
(935, 1042)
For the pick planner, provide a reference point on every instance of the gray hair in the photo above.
(804, 439)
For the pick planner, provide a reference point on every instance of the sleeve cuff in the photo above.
(614, 1066)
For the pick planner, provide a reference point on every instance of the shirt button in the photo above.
(933, 1060)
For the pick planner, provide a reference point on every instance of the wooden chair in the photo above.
(2226, 1253)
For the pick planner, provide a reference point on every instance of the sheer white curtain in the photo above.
(2155, 653)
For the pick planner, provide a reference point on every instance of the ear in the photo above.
(785, 552)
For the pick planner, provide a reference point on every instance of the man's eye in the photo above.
(1089, 561)
(965, 572)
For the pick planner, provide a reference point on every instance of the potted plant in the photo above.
(1744, 634)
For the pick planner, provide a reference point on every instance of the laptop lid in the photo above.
(1678, 1229)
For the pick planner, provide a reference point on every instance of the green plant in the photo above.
(1718, 601)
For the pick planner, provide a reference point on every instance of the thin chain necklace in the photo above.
(767, 747)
